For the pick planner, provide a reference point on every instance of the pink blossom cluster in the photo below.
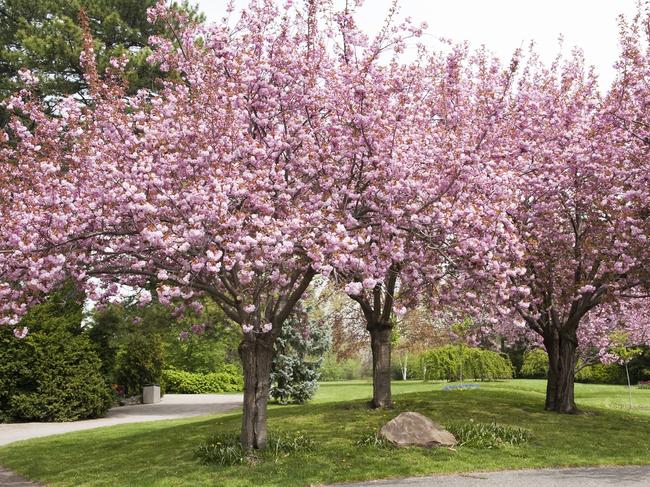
(290, 144)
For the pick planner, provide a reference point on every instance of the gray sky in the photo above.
(503, 25)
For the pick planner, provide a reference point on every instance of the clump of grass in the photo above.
(488, 435)
(373, 439)
(224, 449)
(286, 443)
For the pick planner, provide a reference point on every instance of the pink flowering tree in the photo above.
(581, 207)
(424, 202)
(216, 185)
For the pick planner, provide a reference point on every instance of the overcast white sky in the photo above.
(504, 25)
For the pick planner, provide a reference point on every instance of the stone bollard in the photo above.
(151, 394)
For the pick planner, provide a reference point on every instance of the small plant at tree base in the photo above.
(225, 449)
(488, 435)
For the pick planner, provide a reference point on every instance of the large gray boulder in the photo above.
(414, 429)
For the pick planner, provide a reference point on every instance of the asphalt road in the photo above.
(571, 477)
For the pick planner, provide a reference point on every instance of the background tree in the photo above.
(419, 144)
(44, 36)
(584, 239)
(298, 357)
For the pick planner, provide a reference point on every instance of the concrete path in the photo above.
(10, 479)
(172, 406)
(570, 477)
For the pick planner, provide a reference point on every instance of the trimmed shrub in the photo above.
(228, 379)
(453, 362)
(51, 376)
(535, 364)
(140, 363)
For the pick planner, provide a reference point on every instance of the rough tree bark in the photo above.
(561, 346)
(380, 343)
(256, 355)
(377, 311)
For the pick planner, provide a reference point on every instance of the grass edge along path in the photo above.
(162, 453)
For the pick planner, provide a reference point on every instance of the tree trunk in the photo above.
(380, 344)
(561, 348)
(256, 354)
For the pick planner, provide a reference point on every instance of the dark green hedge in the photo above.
(228, 379)
(50, 376)
(140, 363)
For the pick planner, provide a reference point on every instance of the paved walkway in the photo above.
(569, 477)
(172, 406)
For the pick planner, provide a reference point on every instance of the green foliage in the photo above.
(297, 359)
(206, 352)
(45, 37)
(488, 435)
(224, 449)
(602, 374)
(229, 379)
(535, 364)
(106, 327)
(640, 366)
(140, 363)
(348, 369)
(214, 346)
(456, 362)
(621, 348)
(53, 374)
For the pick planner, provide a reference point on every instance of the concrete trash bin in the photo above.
(151, 394)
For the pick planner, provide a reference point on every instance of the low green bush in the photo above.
(453, 362)
(602, 374)
(487, 435)
(228, 379)
(535, 365)
(347, 369)
(52, 375)
(224, 449)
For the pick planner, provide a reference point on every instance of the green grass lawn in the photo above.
(161, 453)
